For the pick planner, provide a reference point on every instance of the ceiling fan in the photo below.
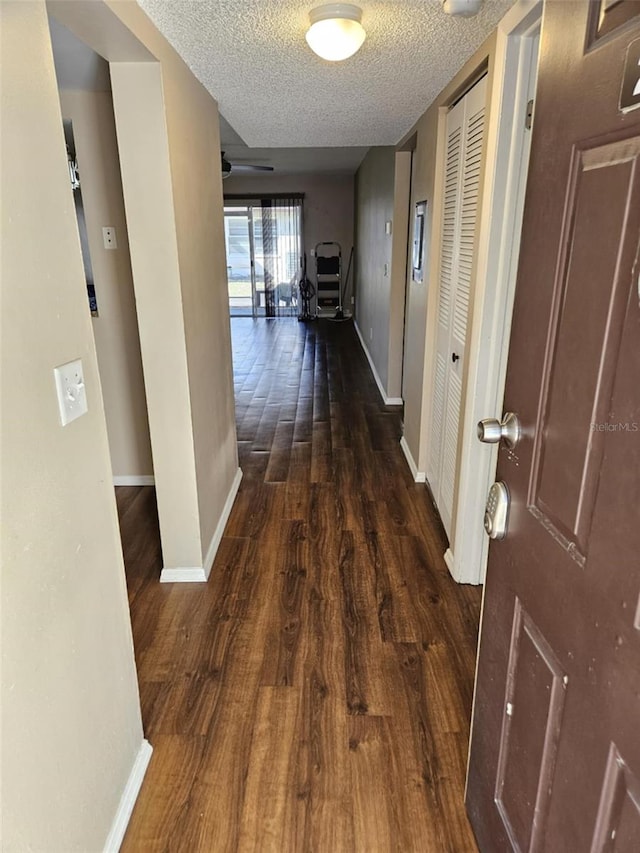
(228, 167)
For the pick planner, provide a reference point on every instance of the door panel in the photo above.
(618, 823)
(437, 421)
(238, 243)
(555, 755)
(607, 16)
(531, 721)
(446, 295)
(591, 294)
(469, 212)
(465, 132)
(450, 447)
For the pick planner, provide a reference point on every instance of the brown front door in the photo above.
(555, 754)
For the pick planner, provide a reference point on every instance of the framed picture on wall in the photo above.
(418, 241)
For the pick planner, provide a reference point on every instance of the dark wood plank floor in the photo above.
(315, 694)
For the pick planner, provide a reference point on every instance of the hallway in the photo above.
(316, 693)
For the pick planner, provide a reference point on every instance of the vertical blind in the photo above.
(281, 254)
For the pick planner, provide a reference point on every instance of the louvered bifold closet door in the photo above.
(465, 139)
(448, 274)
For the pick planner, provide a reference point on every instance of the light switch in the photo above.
(72, 399)
(388, 226)
(109, 237)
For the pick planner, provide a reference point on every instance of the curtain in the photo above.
(282, 254)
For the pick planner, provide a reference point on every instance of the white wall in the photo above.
(328, 208)
(116, 327)
(70, 710)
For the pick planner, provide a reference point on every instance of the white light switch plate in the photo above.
(72, 398)
(109, 237)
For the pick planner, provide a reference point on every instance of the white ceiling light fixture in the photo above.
(335, 32)
(462, 8)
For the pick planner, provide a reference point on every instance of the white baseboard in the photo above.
(200, 574)
(219, 531)
(388, 401)
(418, 476)
(449, 560)
(456, 572)
(134, 480)
(183, 574)
(128, 798)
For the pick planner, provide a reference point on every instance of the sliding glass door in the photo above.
(264, 256)
(238, 235)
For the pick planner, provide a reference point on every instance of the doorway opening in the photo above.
(241, 278)
(263, 240)
(486, 328)
(76, 186)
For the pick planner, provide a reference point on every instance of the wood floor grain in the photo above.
(315, 694)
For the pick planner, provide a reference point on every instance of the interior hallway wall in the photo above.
(116, 327)
(71, 714)
(194, 142)
(374, 208)
(328, 209)
(173, 200)
(71, 725)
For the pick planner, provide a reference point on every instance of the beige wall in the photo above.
(374, 207)
(382, 195)
(148, 193)
(413, 373)
(328, 208)
(196, 183)
(422, 297)
(194, 143)
(400, 257)
(116, 329)
(71, 715)
(70, 710)
(167, 128)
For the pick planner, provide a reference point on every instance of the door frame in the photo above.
(251, 203)
(496, 265)
(248, 215)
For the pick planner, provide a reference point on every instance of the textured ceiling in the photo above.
(290, 161)
(299, 161)
(251, 55)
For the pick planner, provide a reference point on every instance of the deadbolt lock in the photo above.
(496, 514)
(491, 430)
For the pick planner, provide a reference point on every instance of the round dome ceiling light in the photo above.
(462, 8)
(335, 32)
